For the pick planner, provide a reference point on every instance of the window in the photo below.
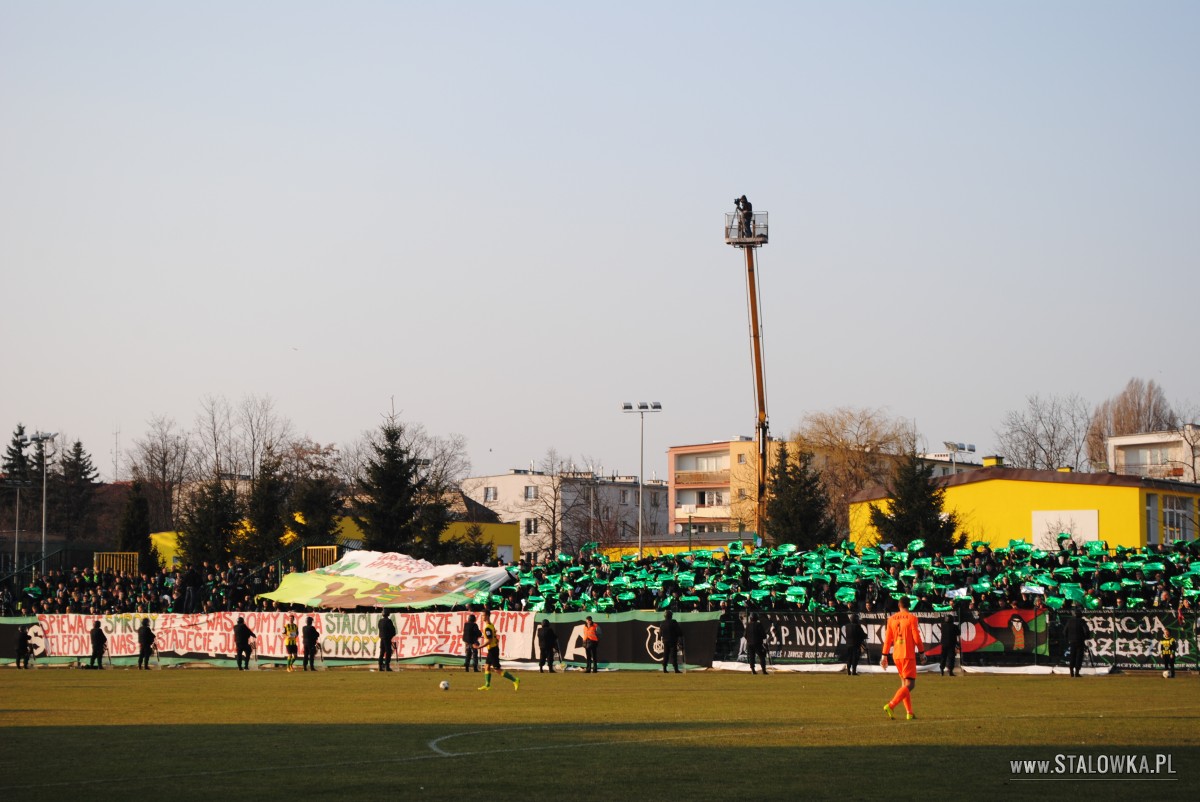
(625, 494)
(490, 494)
(741, 494)
(654, 499)
(741, 459)
(531, 492)
(531, 526)
(1177, 514)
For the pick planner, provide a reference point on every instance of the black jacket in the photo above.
(672, 632)
(98, 640)
(756, 635)
(855, 634)
(471, 633)
(949, 634)
(1075, 630)
(387, 629)
(145, 636)
(547, 639)
(242, 634)
(309, 633)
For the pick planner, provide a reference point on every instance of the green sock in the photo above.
(509, 677)
(487, 679)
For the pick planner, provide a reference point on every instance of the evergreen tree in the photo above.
(210, 520)
(133, 531)
(16, 470)
(266, 512)
(396, 507)
(798, 508)
(469, 548)
(73, 489)
(16, 462)
(317, 502)
(916, 510)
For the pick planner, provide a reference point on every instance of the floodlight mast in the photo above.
(747, 230)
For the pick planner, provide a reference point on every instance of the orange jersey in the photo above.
(903, 637)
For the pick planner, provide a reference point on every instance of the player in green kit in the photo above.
(290, 633)
(493, 658)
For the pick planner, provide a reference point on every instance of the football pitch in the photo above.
(205, 733)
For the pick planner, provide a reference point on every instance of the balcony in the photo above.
(702, 478)
(1174, 472)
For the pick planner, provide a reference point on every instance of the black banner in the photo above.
(634, 639)
(820, 637)
(1132, 639)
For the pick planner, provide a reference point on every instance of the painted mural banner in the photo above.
(386, 579)
(1132, 638)
(819, 637)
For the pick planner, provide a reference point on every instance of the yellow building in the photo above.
(998, 504)
(505, 538)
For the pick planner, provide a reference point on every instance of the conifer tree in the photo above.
(798, 508)
(396, 507)
(133, 531)
(266, 512)
(211, 518)
(916, 511)
(74, 487)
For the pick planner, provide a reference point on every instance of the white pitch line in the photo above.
(436, 752)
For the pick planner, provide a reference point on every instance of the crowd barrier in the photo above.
(632, 640)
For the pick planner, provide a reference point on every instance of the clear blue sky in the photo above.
(507, 216)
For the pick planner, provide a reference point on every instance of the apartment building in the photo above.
(1171, 455)
(560, 511)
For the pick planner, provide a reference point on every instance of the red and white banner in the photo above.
(352, 636)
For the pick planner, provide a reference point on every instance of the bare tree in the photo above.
(853, 448)
(162, 462)
(260, 429)
(445, 458)
(1141, 407)
(216, 450)
(1050, 433)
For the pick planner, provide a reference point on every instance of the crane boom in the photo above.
(747, 229)
(760, 392)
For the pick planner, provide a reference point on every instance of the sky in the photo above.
(504, 219)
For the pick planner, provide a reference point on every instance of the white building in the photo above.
(559, 512)
(1172, 455)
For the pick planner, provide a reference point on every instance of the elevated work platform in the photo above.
(739, 235)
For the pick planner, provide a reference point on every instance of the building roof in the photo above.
(879, 492)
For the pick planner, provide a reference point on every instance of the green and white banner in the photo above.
(385, 579)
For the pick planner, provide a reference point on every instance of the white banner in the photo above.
(351, 636)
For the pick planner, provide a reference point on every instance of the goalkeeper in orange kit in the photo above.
(903, 640)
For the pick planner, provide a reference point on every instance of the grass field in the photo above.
(351, 734)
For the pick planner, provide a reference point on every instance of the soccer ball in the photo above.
(444, 685)
(1166, 675)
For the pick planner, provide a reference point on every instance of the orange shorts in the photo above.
(907, 668)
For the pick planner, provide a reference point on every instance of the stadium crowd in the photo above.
(204, 588)
(966, 583)
(840, 579)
